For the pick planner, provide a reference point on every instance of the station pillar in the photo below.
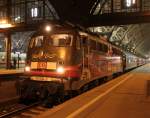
(8, 50)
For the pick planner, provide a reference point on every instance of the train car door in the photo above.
(85, 58)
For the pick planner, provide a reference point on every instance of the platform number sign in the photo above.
(129, 3)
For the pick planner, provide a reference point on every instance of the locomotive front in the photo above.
(49, 64)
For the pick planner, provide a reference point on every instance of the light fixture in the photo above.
(133, 1)
(17, 18)
(128, 3)
(48, 28)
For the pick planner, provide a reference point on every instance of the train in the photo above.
(63, 60)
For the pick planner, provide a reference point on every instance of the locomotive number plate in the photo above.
(42, 65)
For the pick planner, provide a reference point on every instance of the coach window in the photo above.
(99, 47)
(116, 51)
(105, 48)
(93, 44)
(84, 41)
(119, 52)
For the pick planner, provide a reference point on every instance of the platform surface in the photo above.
(128, 96)
(12, 71)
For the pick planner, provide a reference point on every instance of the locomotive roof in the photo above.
(66, 27)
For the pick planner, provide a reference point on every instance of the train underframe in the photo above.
(47, 92)
(58, 90)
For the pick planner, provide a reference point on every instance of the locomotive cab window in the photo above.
(36, 42)
(60, 40)
(99, 47)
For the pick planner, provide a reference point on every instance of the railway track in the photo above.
(16, 110)
(22, 111)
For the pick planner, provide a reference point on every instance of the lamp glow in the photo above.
(4, 24)
(60, 70)
(27, 69)
(48, 28)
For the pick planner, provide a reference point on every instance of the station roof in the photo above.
(124, 25)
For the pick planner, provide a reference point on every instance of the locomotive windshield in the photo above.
(52, 40)
(60, 40)
(37, 41)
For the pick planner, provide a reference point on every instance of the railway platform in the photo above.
(12, 72)
(127, 96)
(8, 85)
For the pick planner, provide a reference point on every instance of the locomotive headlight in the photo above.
(27, 69)
(60, 70)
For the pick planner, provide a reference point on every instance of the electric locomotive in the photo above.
(62, 59)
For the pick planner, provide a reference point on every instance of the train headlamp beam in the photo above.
(27, 69)
(60, 70)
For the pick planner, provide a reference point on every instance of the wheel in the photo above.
(96, 82)
(85, 88)
(49, 102)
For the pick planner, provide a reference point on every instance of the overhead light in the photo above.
(17, 18)
(133, 1)
(48, 28)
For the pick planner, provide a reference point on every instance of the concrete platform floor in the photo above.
(12, 71)
(128, 96)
